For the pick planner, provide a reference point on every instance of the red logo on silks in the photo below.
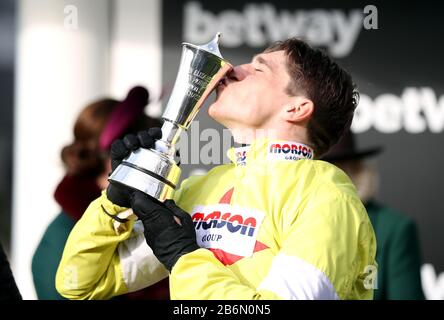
(223, 256)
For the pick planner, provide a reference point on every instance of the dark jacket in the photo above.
(398, 254)
(8, 287)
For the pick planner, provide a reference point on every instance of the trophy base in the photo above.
(150, 172)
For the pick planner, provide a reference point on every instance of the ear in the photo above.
(298, 110)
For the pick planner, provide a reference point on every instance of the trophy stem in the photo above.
(171, 131)
(170, 136)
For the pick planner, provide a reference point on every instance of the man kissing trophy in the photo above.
(154, 171)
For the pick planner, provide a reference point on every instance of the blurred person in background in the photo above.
(398, 250)
(87, 164)
(8, 287)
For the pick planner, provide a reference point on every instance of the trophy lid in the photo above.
(211, 47)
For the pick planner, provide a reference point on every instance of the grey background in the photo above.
(406, 50)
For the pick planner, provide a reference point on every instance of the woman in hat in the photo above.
(87, 164)
(398, 251)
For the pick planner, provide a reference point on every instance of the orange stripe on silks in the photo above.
(225, 257)
(229, 259)
(226, 198)
(259, 246)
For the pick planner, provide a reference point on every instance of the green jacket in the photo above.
(48, 255)
(398, 254)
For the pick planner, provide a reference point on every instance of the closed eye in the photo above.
(258, 70)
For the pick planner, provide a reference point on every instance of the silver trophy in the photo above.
(154, 171)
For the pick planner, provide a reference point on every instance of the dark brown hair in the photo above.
(327, 85)
(83, 156)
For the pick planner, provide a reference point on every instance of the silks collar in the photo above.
(270, 150)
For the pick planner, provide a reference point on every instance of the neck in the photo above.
(248, 135)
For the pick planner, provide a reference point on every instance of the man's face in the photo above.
(252, 95)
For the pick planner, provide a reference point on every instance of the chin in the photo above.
(216, 113)
(213, 110)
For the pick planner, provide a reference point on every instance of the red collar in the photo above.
(74, 194)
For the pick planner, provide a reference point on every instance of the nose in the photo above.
(238, 73)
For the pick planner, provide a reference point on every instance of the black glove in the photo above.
(120, 149)
(168, 239)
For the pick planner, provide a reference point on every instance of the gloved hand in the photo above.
(168, 230)
(120, 149)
